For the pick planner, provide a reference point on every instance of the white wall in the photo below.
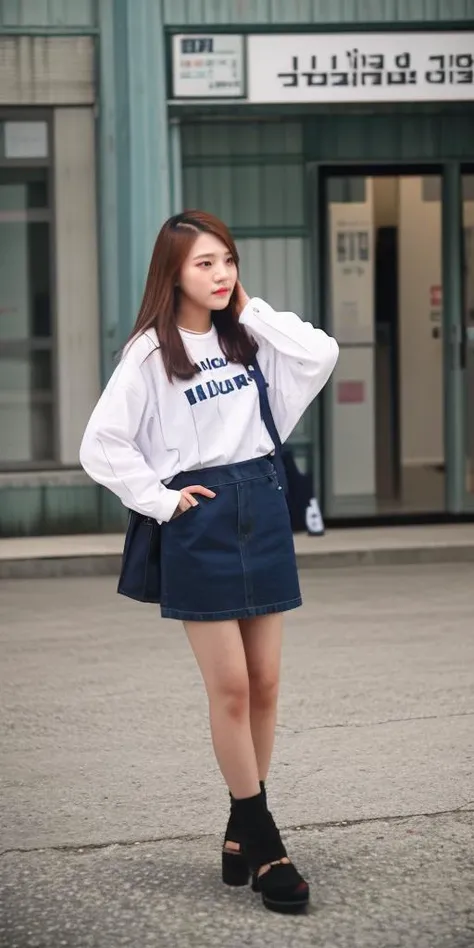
(78, 330)
(421, 356)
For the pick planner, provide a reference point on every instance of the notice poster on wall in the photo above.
(352, 272)
(208, 66)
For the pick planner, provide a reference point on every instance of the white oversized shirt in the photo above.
(144, 430)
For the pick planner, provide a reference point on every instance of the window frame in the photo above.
(12, 114)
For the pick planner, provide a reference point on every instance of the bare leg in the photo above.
(262, 638)
(220, 654)
(225, 664)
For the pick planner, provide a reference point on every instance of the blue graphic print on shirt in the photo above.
(211, 388)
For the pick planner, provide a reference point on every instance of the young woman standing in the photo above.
(178, 436)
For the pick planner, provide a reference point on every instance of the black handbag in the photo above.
(140, 575)
(300, 492)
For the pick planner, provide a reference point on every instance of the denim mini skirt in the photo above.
(232, 556)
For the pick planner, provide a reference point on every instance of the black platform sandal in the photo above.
(235, 865)
(281, 886)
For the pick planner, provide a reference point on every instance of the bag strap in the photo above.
(268, 420)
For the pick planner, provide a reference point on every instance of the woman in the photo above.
(178, 436)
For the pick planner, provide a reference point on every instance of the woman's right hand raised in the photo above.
(188, 500)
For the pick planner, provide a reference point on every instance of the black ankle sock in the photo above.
(249, 803)
(261, 837)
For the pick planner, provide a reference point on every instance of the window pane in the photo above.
(25, 297)
(24, 139)
(26, 408)
(26, 375)
(28, 372)
(23, 189)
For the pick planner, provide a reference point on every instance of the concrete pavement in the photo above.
(100, 554)
(113, 809)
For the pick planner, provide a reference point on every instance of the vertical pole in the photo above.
(176, 173)
(107, 190)
(133, 162)
(313, 291)
(133, 159)
(148, 137)
(452, 336)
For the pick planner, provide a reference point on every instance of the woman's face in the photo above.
(209, 273)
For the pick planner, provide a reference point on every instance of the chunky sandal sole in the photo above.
(286, 908)
(235, 869)
(296, 900)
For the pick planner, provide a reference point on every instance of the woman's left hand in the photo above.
(241, 297)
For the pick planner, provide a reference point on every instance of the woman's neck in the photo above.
(192, 317)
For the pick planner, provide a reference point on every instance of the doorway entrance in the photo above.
(384, 439)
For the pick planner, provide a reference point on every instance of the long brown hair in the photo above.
(160, 299)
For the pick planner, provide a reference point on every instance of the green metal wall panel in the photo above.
(250, 174)
(48, 510)
(273, 269)
(247, 196)
(211, 140)
(395, 137)
(52, 14)
(318, 12)
(36, 511)
(134, 180)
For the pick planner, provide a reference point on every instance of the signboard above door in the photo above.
(374, 67)
(286, 68)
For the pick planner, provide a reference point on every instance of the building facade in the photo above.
(337, 141)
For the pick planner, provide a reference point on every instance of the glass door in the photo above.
(382, 297)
